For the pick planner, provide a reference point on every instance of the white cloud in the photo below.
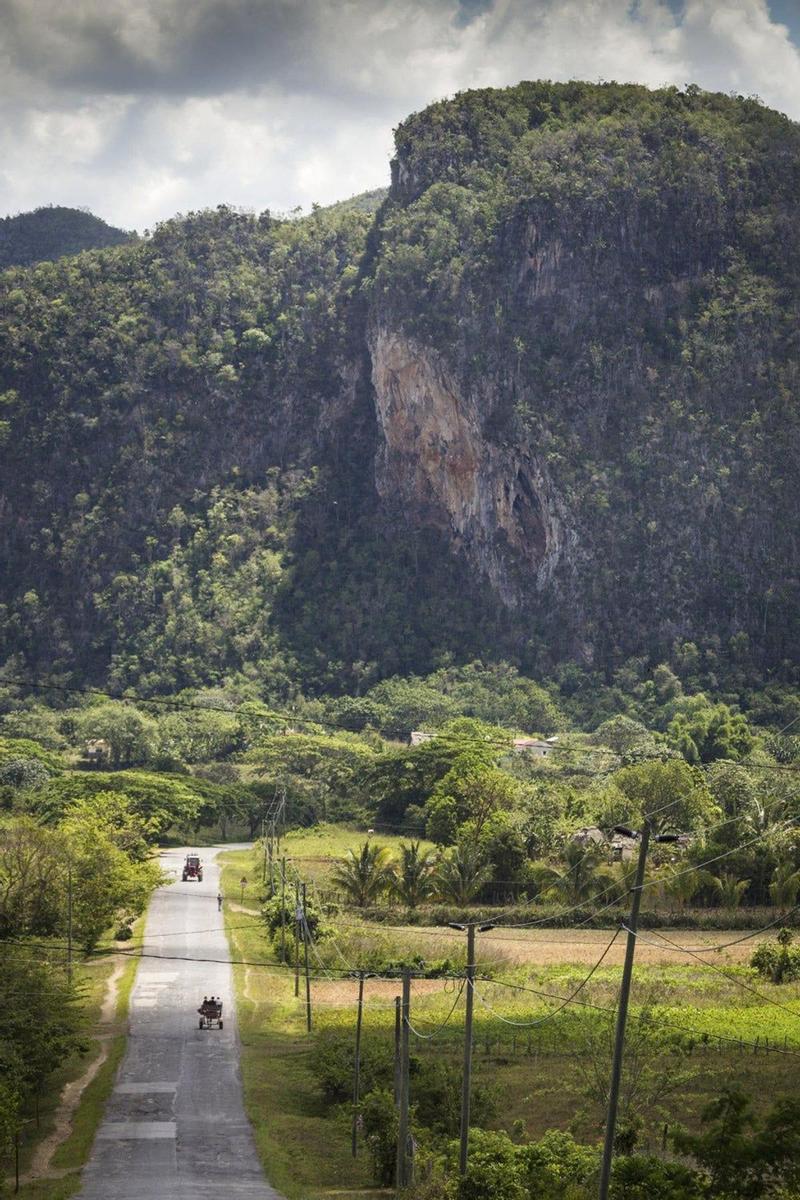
(139, 108)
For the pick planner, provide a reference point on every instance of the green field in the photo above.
(710, 1031)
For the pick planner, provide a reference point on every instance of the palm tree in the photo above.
(582, 876)
(365, 875)
(785, 886)
(680, 886)
(729, 888)
(461, 874)
(415, 874)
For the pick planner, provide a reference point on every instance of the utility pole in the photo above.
(298, 916)
(305, 953)
(397, 1026)
(466, 1082)
(271, 860)
(624, 996)
(283, 910)
(69, 923)
(357, 1068)
(402, 1125)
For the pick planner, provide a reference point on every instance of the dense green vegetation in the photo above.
(210, 619)
(190, 430)
(53, 232)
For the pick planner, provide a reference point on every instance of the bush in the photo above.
(334, 1060)
(641, 1177)
(777, 959)
(555, 1162)
(495, 1168)
(437, 1098)
(379, 1116)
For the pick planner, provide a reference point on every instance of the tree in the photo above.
(785, 885)
(584, 873)
(130, 734)
(672, 791)
(681, 884)
(461, 874)
(32, 890)
(41, 1032)
(729, 888)
(364, 875)
(415, 874)
(744, 1158)
(703, 731)
(476, 789)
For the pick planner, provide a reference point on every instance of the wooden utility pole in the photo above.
(357, 1064)
(622, 1015)
(305, 955)
(298, 916)
(466, 1082)
(402, 1179)
(283, 910)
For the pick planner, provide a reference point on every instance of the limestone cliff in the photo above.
(436, 463)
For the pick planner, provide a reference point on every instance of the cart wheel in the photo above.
(220, 1024)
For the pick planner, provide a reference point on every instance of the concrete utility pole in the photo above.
(271, 860)
(397, 1026)
(402, 1179)
(283, 910)
(305, 955)
(298, 916)
(624, 996)
(466, 1083)
(357, 1065)
(69, 923)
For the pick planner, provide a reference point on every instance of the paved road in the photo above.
(175, 1126)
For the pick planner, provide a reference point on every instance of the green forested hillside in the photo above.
(230, 448)
(53, 232)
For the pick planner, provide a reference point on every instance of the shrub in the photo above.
(777, 959)
(334, 1059)
(379, 1116)
(556, 1161)
(437, 1098)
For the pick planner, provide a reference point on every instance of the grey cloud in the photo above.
(205, 48)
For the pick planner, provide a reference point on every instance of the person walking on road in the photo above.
(219, 901)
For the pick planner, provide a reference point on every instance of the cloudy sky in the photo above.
(139, 109)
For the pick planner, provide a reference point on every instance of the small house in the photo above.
(537, 747)
(418, 736)
(97, 752)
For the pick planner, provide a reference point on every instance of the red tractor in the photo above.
(193, 868)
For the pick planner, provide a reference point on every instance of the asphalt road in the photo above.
(175, 1125)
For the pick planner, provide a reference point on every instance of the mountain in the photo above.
(51, 232)
(542, 403)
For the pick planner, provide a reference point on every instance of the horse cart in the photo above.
(210, 1013)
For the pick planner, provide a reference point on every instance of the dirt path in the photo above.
(71, 1094)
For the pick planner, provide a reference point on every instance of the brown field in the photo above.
(553, 947)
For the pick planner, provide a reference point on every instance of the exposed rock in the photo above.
(436, 461)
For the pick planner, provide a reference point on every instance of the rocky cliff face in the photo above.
(436, 465)
(541, 404)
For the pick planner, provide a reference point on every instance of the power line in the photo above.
(700, 1033)
(428, 1037)
(720, 971)
(566, 1001)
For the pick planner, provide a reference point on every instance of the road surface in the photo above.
(175, 1126)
